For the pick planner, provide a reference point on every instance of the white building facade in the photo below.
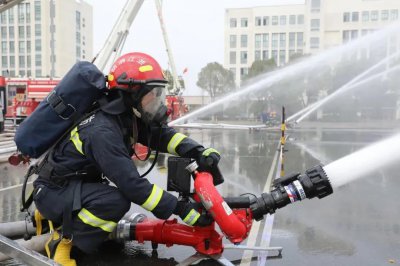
(42, 38)
(280, 32)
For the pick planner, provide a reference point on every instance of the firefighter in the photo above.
(71, 189)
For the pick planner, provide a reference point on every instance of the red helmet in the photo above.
(134, 69)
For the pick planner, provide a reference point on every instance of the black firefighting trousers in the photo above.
(93, 209)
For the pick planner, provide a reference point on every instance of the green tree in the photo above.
(215, 79)
(260, 67)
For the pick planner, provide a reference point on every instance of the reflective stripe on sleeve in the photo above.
(192, 217)
(89, 218)
(76, 140)
(153, 199)
(174, 142)
(210, 150)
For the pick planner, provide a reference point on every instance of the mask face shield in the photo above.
(152, 105)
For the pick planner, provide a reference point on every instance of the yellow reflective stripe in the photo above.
(89, 218)
(210, 150)
(76, 140)
(153, 199)
(192, 217)
(174, 142)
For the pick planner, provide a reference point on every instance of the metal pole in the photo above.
(283, 141)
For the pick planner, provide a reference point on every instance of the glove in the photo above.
(188, 213)
(208, 159)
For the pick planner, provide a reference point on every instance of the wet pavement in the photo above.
(358, 225)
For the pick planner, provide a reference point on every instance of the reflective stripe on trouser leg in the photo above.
(90, 219)
(76, 140)
(174, 142)
(192, 217)
(153, 199)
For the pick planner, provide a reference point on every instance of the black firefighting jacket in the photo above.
(102, 143)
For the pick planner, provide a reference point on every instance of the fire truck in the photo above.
(24, 95)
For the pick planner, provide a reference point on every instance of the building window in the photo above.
(394, 14)
(244, 71)
(21, 13)
(291, 53)
(385, 14)
(275, 38)
(4, 62)
(314, 42)
(78, 19)
(354, 34)
(28, 47)
(274, 21)
(243, 41)
(21, 32)
(282, 57)
(300, 40)
(21, 61)
(28, 31)
(38, 60)
(258, 21)
(12, 47)
(38, 45)
(3, 17)
(28, 12)
(3, 47)
(12, 62)
(346, 16)
(265, 21)
(233, 23)
(346, 36)
(274, 55)
(365, 16)
(78, 37)
(11, 16)
(292, 40)
(282, 40)
(232, 41)
(257, 41)
(232, 57)
(315, 25)
(38, 30)
(257, 55)
(292, 19)
(282, 20)
(243, 22)
(21, 47)
(354, 16)
(38, 15)
(300, 19)
(265, 40)
(38, 73)
(243, 57)
(374, 15)
(11, 32)
(265, 55)
(315, 5)
(28, 61)
(4, 32)
(22, 73)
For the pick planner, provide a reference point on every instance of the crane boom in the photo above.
(177, 89)
(6, 4)
(118, 34)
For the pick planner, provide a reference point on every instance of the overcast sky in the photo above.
(195, 30)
